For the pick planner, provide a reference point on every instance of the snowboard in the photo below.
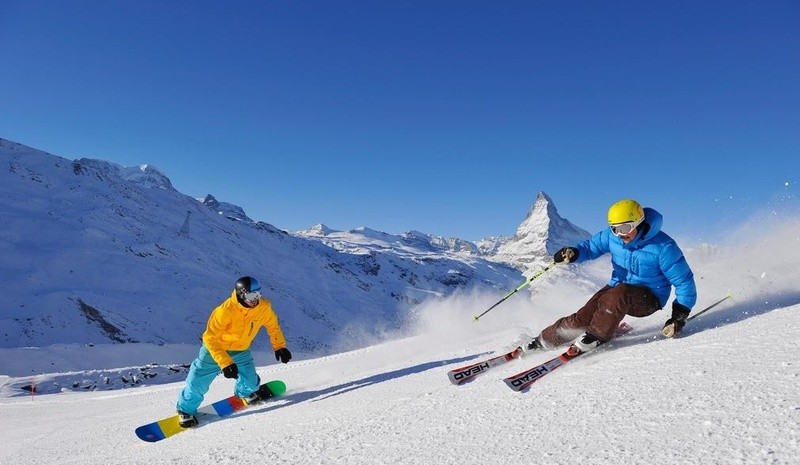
(162, 429)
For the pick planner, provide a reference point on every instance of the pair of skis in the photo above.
(523, 380)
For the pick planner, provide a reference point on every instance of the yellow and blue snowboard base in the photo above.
(162, 429)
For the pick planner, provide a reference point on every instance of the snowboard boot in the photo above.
(186, 420)
(260, 395)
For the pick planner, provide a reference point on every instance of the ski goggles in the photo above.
(623, 229)
(252, 296)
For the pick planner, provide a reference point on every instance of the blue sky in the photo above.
(442, 116)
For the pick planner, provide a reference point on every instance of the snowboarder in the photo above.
(646, 264)
(229, 333)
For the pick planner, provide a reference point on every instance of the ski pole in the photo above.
(519, 288)
(710, 307)
(669, 331)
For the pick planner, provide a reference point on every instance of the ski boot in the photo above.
(535, 344)
(587, 342)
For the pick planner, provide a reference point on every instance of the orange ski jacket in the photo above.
(232, 327)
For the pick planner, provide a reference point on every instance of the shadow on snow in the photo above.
(322, 394)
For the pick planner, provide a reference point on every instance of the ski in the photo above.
(523, 380)
(467, 373)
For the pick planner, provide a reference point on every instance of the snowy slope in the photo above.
(718, 395)
(724, 393)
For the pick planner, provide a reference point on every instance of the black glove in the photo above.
(283, 355)
(231, 371)
(674, 325)
(566, 255)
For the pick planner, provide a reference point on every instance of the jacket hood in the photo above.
(654, 222)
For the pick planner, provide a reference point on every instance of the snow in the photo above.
(130, 259)
(723, 393)
(718, 395)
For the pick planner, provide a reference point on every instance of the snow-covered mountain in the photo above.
(538, 237)
(97, 253)
(228, 210)
(408, 243)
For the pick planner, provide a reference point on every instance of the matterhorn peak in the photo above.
(538, 237)
(539, 216)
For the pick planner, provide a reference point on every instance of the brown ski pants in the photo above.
(602, 314)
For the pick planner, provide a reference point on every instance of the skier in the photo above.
(231, 329)
(646, 264)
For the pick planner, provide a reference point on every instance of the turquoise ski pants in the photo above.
(203, 371)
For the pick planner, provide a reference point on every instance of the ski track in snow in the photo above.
(724, 395)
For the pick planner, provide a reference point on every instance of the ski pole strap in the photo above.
(519, 288)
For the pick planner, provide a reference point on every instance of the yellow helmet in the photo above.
(625, 211)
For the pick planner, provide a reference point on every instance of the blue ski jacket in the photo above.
(652, 259)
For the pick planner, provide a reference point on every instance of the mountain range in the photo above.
(97, 253)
